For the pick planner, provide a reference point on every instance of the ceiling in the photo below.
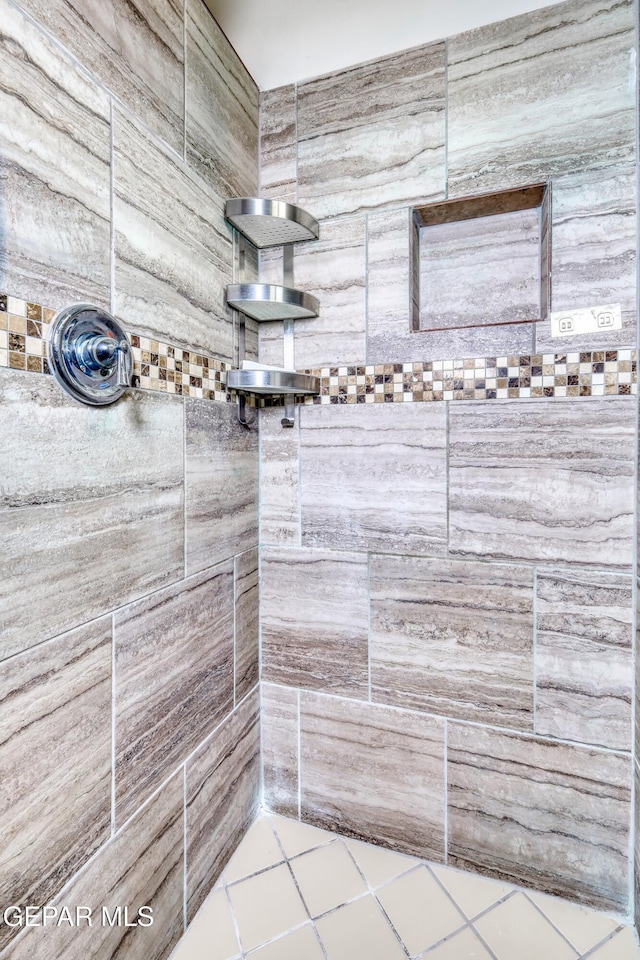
(284, 41)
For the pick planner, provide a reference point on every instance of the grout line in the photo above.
(548, 919)
(184, 489)
(295, 93)
(369, 626)
(635, 718)
(535, 648)
(366, 286)
(184, 824)
(184, 80)
(590, 952)
(113, 724)
(447, 481)
(112, 231)
(446, 118)
(299, 757)
(234, 919)
(235, 625)
(446, 790)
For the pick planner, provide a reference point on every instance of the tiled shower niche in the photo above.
(481, 261)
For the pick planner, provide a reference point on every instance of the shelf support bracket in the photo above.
(289, 357)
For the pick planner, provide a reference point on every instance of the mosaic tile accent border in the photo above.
(24, 328)
(164, 367)
(598, 373)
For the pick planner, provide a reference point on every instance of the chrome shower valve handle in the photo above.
(89, 354)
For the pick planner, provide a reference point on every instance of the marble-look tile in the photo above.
(543, 481)
(279, 721)
(142, 865)
(173, 680)
(222, 795)
(55, 183)
(314, 616)
(374, 477)
(222, 109)
(635, 896)
(546, 815)
(247, 623)
(278, 144)
(584, 670)
(541, 94)
(91, 505)
(480, 272)
(373, 134)
(390, 337)
(333, 269)
(55, 756)
(453, 638)
(221, 478)
(279, 487)
(172, 248)
(373, 773)
(135, 51)
(594, 254)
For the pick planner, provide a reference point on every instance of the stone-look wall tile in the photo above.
(546, 815)
(223, 782)
(173, 680)
(635, 905)
(480, 272)
(594, 254)
(314, 616)
(279, 721)
(542, 481)
(142, 866)
(542, 94)
(584, 657)
(373, 134)
(374, 478)
(374, 773)
(247, 629)
(390, 338)
(222, 109)
(54, 218)
(173, 249)
(91, 509)
(279, 487)
(270, 335)
(453, 638)
(333, 269)
(55, 756)
(136, 51)
(278, 144)
(221, 478)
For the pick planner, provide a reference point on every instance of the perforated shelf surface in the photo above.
(266, 301)
(270, 223)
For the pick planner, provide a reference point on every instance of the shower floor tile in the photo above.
(294, 892)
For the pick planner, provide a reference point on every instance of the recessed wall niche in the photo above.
(482, 261)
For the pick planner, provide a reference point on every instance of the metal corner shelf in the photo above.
(273, 382)
(270, 223)
(266, 301)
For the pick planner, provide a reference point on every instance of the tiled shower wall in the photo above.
(129, 735)
(447, 587)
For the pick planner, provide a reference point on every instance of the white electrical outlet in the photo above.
(569, 323)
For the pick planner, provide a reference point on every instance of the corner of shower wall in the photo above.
(129, 566)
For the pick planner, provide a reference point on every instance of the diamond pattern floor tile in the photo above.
(316, 905)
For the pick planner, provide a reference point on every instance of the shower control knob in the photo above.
(89, 354)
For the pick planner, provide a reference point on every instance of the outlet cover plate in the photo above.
(600, 319)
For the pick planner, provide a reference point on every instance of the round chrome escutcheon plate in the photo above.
(89, 354)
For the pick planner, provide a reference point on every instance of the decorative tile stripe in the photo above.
(167, 368)
(24, 328)
(597, 373)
